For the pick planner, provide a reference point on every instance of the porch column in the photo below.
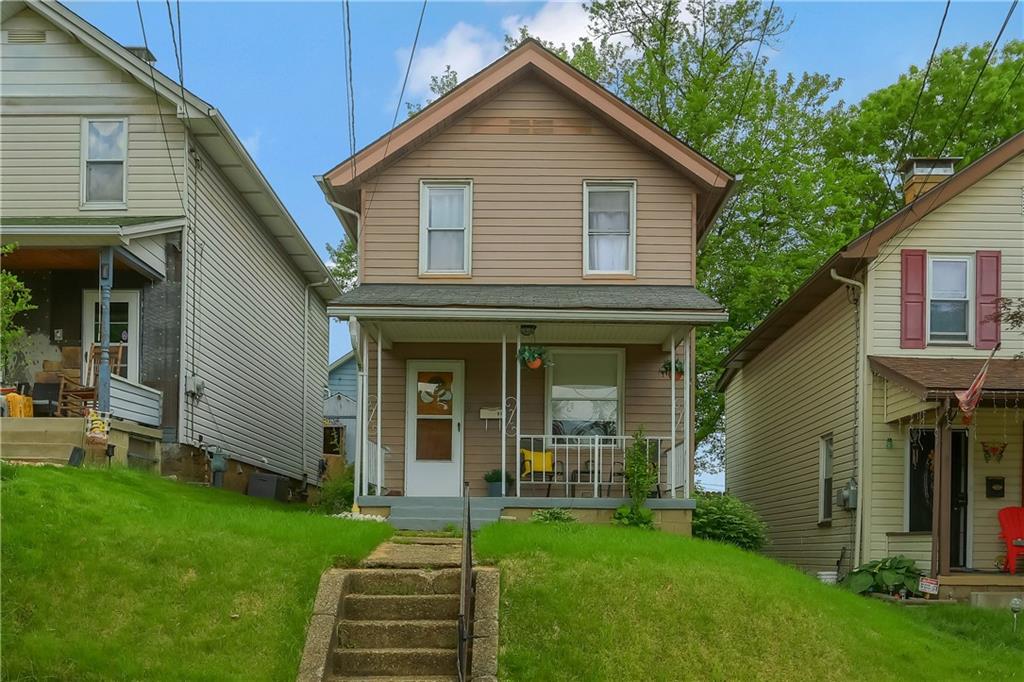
(364, 412)
(687, 412)
(941, 495)
(377, 408)
(672, 427)
(504, 392)
(106, 284)
(356, 337)
(519, 412)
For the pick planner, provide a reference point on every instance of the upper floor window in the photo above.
(446, 209)
(104, 156)
(949, 299)
(609, 228)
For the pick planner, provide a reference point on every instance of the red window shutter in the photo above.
(988, 271)
(913, 297)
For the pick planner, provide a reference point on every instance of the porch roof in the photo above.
(528, 298)
(940, 377)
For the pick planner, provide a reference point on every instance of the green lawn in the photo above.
(119, 575)
(600, 603)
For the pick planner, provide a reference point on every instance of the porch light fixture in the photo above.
(527, 329)
(1015, 607)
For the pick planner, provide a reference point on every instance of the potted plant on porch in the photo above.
(533, 356)
(680, 369)
(493, 479)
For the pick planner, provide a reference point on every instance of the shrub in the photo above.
(889, 576)
(7, 471)
(640, 517)
(337, 494)
(728, 519)
(553, 515)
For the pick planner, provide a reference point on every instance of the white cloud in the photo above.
(465, 48)
(561, 23)
(252, 143)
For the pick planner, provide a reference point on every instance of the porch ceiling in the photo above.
(483, 331)
(29, 258)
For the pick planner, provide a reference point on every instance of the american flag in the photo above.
(970, 398)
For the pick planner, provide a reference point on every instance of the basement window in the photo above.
(825, 454)
(104, 158)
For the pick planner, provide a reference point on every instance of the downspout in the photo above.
(858, 454)
(305, 360)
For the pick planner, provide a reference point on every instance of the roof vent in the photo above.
(921, 173)
(142, 53)
(23, 35)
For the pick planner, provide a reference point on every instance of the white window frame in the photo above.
(467, 243)
(90, 299)
(597, 185)
(971, 299)
(620, 376)
(84, 203)
(828, 440)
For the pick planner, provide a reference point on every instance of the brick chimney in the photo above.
(921, 173)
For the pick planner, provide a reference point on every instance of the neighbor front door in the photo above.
(124, 330)
(433, 427)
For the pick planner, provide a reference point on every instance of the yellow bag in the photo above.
(538, 462)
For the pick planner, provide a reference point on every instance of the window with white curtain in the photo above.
(609, 228)
(104, 153)
(446, 208)
(585, 391)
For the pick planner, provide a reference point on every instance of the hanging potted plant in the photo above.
(533, 356)
(680, 369)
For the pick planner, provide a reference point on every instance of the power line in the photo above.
(346, 13)
(910, 132)
(953, 128)
(398, 105)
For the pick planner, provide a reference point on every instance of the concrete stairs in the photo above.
(437, 513)
(397, 620)
(40, 439)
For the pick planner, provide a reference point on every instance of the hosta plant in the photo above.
(890, 575)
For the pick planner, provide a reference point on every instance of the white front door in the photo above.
(433, 427)
(124, 329)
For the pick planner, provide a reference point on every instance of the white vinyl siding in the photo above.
(446, 220)
(777, 407)
(609, 228)
(247, 341)
(986, 216)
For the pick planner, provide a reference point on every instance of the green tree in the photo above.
(440, 85)
(15, 298)
(344, 264)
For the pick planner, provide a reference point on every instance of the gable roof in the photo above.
(210, 131)
(852, 258)
(530, 58)
(347, 357)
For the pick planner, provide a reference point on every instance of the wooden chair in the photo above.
(1011, 524)
(75, 399)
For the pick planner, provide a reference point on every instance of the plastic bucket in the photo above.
(828, 577)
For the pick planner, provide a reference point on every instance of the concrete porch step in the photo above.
(402, 522)
(400, 607)
(398, 634)
(404, 581)
(395, 661)
(392, 678)
(57, 453)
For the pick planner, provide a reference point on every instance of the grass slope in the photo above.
(120, 575)
(599, 603)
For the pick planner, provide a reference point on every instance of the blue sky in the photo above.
(275, 68)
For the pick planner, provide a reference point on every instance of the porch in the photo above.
(445, 398)
(100, 292)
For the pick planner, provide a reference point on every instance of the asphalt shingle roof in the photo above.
(570, 297)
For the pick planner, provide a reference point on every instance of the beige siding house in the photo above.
(115, 180)
(870, 352)
(527, 209)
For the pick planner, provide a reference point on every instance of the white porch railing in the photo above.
(587, 466)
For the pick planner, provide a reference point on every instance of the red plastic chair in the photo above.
(1011, 523)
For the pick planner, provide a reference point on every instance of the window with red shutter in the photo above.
(988, 268)
(913, 294)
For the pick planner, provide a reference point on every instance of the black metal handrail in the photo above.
(465, 586)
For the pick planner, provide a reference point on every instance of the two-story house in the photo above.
(842, 423)
(174, 291)
(528, 211)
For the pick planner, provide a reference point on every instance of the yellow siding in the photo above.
(916, 546)
(985, 216)
(777, 407)
(47, 89)
(901, 403)
(527, 220)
